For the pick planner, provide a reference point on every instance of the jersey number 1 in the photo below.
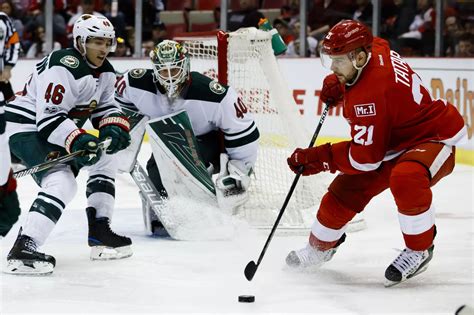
(54, 94)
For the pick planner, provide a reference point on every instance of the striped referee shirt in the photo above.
(9, 42)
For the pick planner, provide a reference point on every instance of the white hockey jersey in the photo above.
(61, 94)
(209, 105)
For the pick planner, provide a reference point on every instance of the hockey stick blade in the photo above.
(60, 160)
(250, 270)
(252, 267)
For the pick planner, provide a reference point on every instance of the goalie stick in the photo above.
(251, 267)
(60, 160)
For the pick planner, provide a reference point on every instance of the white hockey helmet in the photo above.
(171, 66)
(88, 26)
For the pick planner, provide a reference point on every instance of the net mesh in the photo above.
(252, 70)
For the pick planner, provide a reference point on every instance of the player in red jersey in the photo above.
(401, 139)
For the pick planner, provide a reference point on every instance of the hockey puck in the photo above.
(246, 298)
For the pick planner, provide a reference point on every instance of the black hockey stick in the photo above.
(63, 159)
(251, 267)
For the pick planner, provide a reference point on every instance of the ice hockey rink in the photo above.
(205, 275)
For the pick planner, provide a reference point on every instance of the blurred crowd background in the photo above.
(409, 25)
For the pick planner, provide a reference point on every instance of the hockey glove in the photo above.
(314, 160)
(9, 205)
(232, 183)
(333, 90)
(117, 128)
(79, 140)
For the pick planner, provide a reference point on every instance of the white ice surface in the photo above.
(206, 276)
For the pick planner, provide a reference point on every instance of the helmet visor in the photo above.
(102, 44)
(336, 63)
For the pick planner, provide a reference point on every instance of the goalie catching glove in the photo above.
(232, 183)
(117, 128)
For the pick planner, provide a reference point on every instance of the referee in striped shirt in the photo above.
(9, 49)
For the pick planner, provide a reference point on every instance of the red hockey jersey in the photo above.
(389, 111)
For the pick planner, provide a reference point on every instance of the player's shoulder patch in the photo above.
(137, 73)
(142, 79)
(206, 89)
(71, 60)
(216, 87)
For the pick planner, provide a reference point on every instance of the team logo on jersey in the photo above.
(216, 87)
(364, 110)
(137, 73)
(70, 61)
(51, 109)
(92, 105)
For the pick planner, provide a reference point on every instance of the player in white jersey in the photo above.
(9, 205)
(45, 120)
(219, 118)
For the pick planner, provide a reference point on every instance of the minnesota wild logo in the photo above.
(216, 87)
(70, 61)
(137, 73)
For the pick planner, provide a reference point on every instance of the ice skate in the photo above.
(24, 259)
(407, 265)
(104, 243)
(309, 257)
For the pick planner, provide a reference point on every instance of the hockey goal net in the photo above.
(244, 60)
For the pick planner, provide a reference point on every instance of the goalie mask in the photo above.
(170, 66)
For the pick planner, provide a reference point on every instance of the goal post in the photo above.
(244, 60)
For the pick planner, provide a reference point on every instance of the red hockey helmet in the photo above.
(346, 36)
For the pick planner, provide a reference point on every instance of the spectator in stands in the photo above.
(465, 47)
(294, 47)
(35, 18)
(291, 12)
(37, 49)
(122, 49)
(324, 14)
(363, 12)
(86, 7)
(116, 17)
(147, 47)
(9, 9)
(453, 30)
(420, 36)
(398, 22)
(247, 16)
(284, 30)
(158, 32)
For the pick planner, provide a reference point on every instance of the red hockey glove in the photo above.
(333, 90)
(314, 160)
(10, 186)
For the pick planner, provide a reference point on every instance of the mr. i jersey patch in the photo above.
(364, 110)
(216, 87)
(70, 61)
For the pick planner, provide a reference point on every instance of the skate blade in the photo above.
(389, 283)
(36, 268)
(109, 253)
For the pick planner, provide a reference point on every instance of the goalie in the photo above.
(226, 135)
